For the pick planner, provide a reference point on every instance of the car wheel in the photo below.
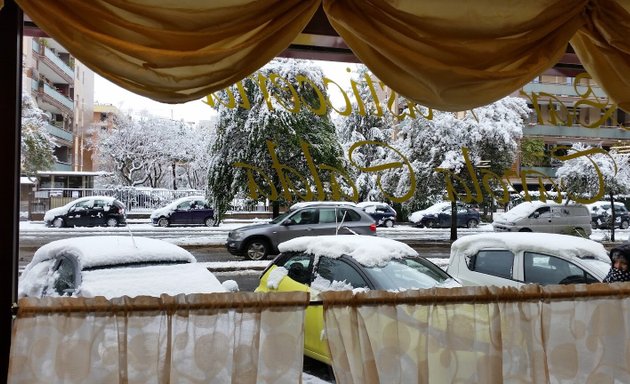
(472, 223)
(58, 222)
(163, 222)
(625, 225)
(389, 223)
(209, 221)
(525, 230)
(257, 249)
(112, 222)
(429, 223)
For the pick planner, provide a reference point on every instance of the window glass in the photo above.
(407, 273)
(493, 262)
(546, 269)
(306, 216)
(543, 212)
(350, 215)
(327, 215)
(83, 205)
(299, 264)
(65, 277)
(339, 270)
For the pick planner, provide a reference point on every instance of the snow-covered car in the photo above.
(515, 259)
(439, 215)
(323, 218)
(114, 266)
(382, 213)
(322, 263)
(88, 211)
(548, 216)
(601, 214)
(190, 210)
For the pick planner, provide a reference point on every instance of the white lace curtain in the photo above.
(554, 334)
(219, 338)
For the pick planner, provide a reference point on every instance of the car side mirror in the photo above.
(536, 215)
(288, 222)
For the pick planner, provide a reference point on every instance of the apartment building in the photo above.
(566, 109)
(64, 89)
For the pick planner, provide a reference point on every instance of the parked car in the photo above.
(321, 263)
(114, 266)
(259, 240)
(601, 215)
(439, 215)
(515, 259)
(382, 213)
(190, 210)
(551, 217)
(88, 212)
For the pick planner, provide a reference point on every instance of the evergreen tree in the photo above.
(271, 124)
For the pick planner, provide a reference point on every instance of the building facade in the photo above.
(64, 89)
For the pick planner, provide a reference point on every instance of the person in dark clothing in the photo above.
(620, 269)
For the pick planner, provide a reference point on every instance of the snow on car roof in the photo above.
(309, 203)
(367, 250)
(151, 280)
(95, 251)
(548, 243)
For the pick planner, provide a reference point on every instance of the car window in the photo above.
(349, 214)
(407, 273)
(306, 216)
(299, 267)
(542, 212)
(184, 205)
(98, 203)
(65, 279)
(493, 262)
(546, 269)
(338, 270)
(83, 205)
(327, 215)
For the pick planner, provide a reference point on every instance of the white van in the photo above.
(536, 216)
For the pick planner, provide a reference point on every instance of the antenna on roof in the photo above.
(131, 235)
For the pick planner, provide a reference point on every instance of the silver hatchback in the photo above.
(257, 241)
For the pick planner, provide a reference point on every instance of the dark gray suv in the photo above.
(257, 241)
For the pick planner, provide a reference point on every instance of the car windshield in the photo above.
(407, 273)
(281, 217)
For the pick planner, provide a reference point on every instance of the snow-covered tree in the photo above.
(437, 149)
(365, 123)
(37, 146)
(154, 152)
(589, 174)
(263, 138)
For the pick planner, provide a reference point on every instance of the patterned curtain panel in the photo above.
(449, 55)
(553, 334)
(213, 338)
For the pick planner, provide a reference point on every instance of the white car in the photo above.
(515, 259)
(114, 266)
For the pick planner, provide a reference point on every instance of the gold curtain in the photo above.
(449, 55)
(553, 334)
(172, 51)
(206, 338)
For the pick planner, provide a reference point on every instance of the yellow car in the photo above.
(320, 263)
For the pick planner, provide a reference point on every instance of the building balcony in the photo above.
(599, 134)
(564, 90)
(59, 133)
(51, 66)
(55, 101)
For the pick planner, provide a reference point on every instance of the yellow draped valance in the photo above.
(449, 55)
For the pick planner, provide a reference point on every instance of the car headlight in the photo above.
(236, 235)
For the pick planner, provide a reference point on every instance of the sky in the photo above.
(106, 92)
